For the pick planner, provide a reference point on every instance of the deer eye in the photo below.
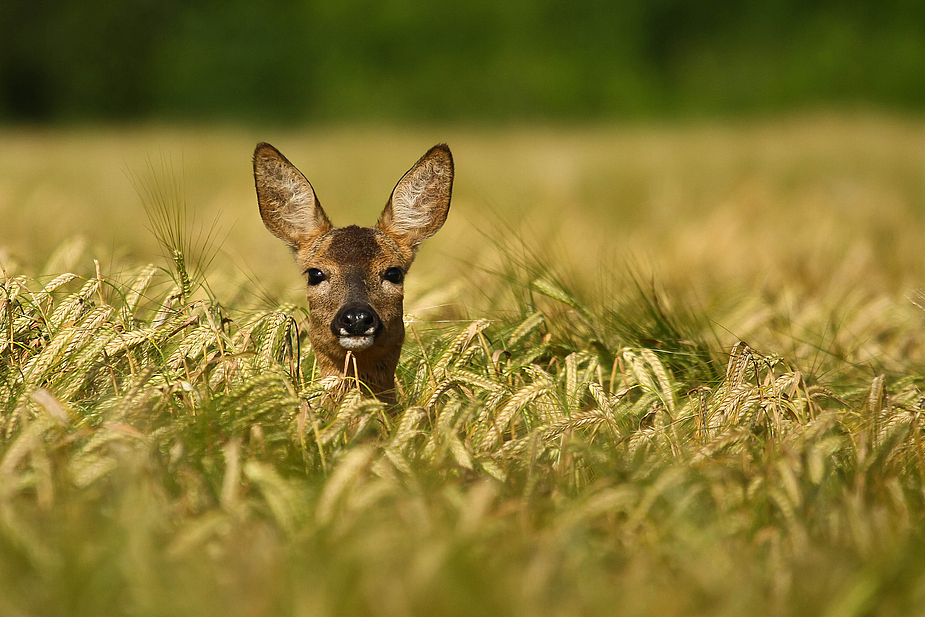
(315, 276)
(394, 275)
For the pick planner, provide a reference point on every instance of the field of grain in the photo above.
(650, 370)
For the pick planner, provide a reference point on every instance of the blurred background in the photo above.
(737, 141)
(479, 60)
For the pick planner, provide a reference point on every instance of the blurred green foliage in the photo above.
(285, 60)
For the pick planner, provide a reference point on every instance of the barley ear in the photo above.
(288, 205)
(420, 201)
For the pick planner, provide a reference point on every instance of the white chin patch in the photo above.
(356, 343)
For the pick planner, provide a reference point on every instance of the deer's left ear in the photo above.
(421, 199)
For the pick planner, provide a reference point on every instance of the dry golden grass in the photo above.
(729, 203)
(675, 370)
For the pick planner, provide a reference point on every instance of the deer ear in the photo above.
(288, 205)
(421, 199)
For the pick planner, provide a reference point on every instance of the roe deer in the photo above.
(355, 274)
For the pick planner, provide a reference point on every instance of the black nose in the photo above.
(355, 321)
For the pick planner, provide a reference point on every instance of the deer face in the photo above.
(355, 275)
(355, 279)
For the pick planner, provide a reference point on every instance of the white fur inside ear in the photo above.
(298, 207)
(409, 202)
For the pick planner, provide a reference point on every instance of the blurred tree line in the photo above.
(290, 60)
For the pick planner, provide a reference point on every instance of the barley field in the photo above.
(650, 370)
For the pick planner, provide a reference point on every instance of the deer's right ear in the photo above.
(288, 205)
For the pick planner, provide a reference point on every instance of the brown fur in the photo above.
(354, 259)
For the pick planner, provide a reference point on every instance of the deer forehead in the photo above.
(356, 248)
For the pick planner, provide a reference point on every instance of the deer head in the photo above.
(355, 275)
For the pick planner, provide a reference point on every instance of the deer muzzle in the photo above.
(356, 327)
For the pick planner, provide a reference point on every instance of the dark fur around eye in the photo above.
(394, 275)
